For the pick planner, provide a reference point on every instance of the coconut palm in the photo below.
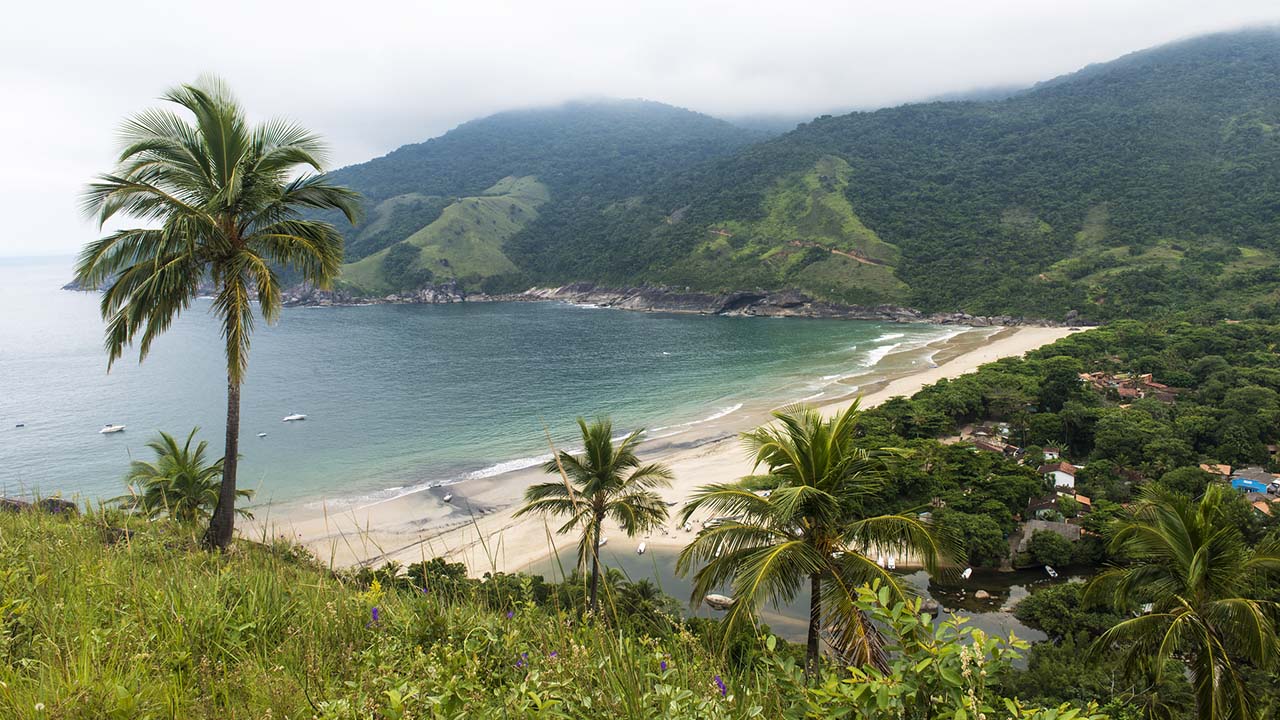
(223, 198)
(181, 481)
(606, 482)
(811, 527)
(1191, 563)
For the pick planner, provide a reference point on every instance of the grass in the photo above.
(466, 240)
(108, 616)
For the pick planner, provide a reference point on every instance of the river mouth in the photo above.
(993, 614)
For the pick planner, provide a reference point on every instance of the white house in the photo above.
(1063, 474)
(1052, 453)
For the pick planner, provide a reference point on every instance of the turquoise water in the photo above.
(396, 395)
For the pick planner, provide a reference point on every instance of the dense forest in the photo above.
(1146, 184)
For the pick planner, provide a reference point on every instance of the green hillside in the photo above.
(462, 242)
(1148, 183)
(589, 155)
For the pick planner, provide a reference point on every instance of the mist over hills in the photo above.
(1149, 182)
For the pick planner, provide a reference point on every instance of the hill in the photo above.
(585, 155)
(1148, 183)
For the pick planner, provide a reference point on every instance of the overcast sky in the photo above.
(371, 76)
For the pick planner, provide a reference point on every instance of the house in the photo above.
(1222, 471)
(1062, 474)
(1248, 486)
(1086, 504)
(1052, 453)
(1254, 473)
(988, 446)
(1263, 507)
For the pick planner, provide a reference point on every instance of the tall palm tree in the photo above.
(606, 482)
(181, 481)
(810, 527)
(1193, 565)
(224, 199)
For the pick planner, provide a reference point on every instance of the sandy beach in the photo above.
(477, 526)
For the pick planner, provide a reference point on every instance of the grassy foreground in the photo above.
(106, 616)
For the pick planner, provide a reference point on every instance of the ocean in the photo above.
(397, 396)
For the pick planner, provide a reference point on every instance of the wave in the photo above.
(889, 336)
(875, 356)
(722, 412)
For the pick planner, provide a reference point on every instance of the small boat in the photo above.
(893, 563)
(688, 527)
(718, 602)
(1052, 573)
(294, 417)
(262, 434)
(20, 425)
(108, 429)
(968, 573)
(448, 497)
(603, 541)
(643, 546)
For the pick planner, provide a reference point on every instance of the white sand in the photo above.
(487, 537)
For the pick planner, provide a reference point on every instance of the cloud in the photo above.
(374, 75)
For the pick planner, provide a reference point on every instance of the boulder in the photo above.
(982, 595)
(57, 506)
(13, 505)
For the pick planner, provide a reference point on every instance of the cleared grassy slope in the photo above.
(464, 242)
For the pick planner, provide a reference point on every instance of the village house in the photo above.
(1129, 387)
(1062, 474)
(1052, 453)
(1222, 471)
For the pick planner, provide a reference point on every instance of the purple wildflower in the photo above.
(511, 614)
(720, 684)
(375, 614)
(663, 665)
(554, 655)
(374, 621)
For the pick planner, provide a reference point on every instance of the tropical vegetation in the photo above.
(223, 199)
(1199, 592)
(181, 482)
(805, 522)
(605, 482)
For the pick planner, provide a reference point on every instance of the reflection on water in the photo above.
(993, 614)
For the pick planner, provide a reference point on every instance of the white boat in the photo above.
(448, 497)
(718, 602)
(294, 417)
(643, 546)
(968, 573)
(603, 541)
(1052, 573)
(108, 429)
(262, 434)
(893, 563)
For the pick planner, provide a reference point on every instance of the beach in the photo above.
(476, 525)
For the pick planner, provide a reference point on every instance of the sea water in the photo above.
(396, 396)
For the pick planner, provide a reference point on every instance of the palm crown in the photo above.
(180, 481)
(1192, 564)
(605, 482)
(810, 525)
(223, 201)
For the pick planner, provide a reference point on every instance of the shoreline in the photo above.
(478, 528)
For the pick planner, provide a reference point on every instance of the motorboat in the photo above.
(262, 434)
(643, 546)
(448, 497)
(968, 573)
(294, 417)
(718, 602)
(109, 429)
(1052, 573)
(20, 425)
(893, 563)
(603, 541)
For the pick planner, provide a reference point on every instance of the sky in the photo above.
(374, 75)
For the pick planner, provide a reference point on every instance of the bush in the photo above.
(1049, 548)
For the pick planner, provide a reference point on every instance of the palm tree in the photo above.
(181, 481)
(1191, 563)
(226, 198)
(606, 481)
(811, 526)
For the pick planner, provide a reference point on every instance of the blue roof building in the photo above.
(1245, 485)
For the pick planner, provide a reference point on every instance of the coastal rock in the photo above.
(982, 595)
(13, 505)
(57, 506)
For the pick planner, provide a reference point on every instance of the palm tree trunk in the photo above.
(815, 624)
(595, 565)
(222, 523)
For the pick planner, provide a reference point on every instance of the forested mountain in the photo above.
(1146, 184)
(581, 154)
